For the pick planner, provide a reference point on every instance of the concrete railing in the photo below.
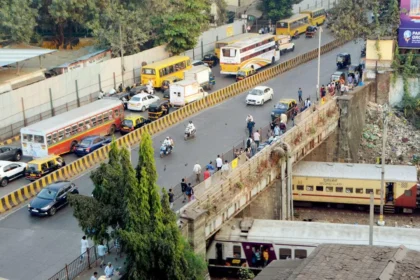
(83, 164)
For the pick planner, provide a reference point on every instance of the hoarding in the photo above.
(409, 32)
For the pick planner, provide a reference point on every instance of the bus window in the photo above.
(54, 137)
(87, 124)
(28, 137)
(148, 71)
(39, 139)
(110, 114)
(339, 189)
(74, 129)
(329, 189)
(349, 190)
(299, 187)
(369, 191)
(116, 113)
(310, 188)
(93, 120)
(60, 135)
(359, 190)
(68, 132)
(105, 117)
(49, 140)
(99, 119)
(319, 188)
(171, 69)
(188, 62)
(121, 111)
(81, 127)
(229, 52)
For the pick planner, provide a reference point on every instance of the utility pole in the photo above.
(381, 221)
(371, 219)
(319, 63)
(122, 59)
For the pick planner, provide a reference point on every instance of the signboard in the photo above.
(234, 163)
(409, 32)
(229, 31)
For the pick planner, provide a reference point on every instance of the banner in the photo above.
(409, 32)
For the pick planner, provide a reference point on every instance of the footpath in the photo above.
(117, 261)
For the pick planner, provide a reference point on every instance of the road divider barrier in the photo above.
(10, 140)
(85, 163)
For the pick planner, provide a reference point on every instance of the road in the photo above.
(303, 45)
(41, 246)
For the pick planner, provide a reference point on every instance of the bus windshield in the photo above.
(281, 24)
(228, 52)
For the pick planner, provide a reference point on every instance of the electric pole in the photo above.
(122, 58)
(381, 221)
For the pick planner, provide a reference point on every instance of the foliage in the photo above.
(181, 25)
(17, 20)
(245, 273)
(277, 9)
(222, 12)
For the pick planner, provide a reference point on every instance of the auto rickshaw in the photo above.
(310, 31)
(157, 110)
(210, 59)
(245, 73)
(131, 123)
(38, 168)
(343, 60)
(168, 81)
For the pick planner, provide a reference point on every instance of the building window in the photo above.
(359, 190)
(339, 189)
(300, 254)
(309, 188)
(285, 253)
(407, 192)
(349, 190)
(236, 251)
(329, 189)
(319, 188)
(299, 187)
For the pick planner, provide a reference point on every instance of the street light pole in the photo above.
(122, 59)
(319, 63)
(381, 221)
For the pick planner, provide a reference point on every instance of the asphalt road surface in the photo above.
(35, 248)
(302, 45)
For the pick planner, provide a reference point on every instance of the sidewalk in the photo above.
(117, 262)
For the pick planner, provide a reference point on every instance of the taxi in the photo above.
(131, 123)
(43, 166)
(245, 73)
(284, 106)
(168, 81)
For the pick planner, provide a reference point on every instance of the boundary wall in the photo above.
(85, 163)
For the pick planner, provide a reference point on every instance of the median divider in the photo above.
(85, 163)
(10, 140)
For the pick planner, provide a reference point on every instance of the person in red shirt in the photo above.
(207, 174)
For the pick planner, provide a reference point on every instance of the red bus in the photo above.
(59, 134)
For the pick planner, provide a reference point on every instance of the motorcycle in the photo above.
(164, 151)
(188, 134)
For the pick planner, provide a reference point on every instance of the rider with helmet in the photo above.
(167, 143)
(190, 128)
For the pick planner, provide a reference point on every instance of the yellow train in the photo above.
(345, 183)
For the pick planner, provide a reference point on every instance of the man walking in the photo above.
(219, 162)
(210, 167)
(184, 189)
(257, 137)
(225, 168)
(84, 245)
(171, 198)
(249, 142)
(94, 276)
(197, 172)
(101, 253)
(300, 95)
(250, 126)
(206, 174)
(109, 270)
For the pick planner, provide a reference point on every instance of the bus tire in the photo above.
(112, 130)
(73, 144)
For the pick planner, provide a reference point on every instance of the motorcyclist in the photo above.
(190, 128)
(167, 144)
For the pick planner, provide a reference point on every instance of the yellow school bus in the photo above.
(158, 71)
(297, 23)
(231, 40)
(316, 16)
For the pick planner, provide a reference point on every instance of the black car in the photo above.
(10, 153)
(51, 198)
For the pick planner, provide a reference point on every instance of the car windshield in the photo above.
(281, 106)
(128, 123)
(340, 58)
(86, 143)
(242, 73)
(135, 98)
(47, 194)
(32, 167)
(256, 92)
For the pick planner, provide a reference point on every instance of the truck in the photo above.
(202, 74)
(284, 45)
(184, 92)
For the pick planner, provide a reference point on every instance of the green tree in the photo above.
(17, 20)
(181, 24)
(276, 10)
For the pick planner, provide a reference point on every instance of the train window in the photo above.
(407, 192)
(300, 254)
(369, 191)
(349, 190)
(319, 188)
(236, 251)
(285, 253)
(329, 189)
(310, 188)
(339, 189)
(299, 187)
(358, 190)
(378, 192)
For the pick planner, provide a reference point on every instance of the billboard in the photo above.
(409, 32)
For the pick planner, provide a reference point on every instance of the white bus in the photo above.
(249, 53)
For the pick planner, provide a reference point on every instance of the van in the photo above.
(38, 168)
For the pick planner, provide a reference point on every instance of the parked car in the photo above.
(51, 198)
(43, 166)
(10, 171)
(284, 106)
(10, 153)
(90, 144)
(142, 101)
(259, 95)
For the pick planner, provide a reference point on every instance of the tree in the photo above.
(17, 20)
(181, 24)
(276, 10)
(222, 15)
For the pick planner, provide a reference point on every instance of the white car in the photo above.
(259, 95)
(142, 101)
(10, 171)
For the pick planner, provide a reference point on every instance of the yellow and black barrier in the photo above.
(87, 162)
(10, 140)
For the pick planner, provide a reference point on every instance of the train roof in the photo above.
(310, 233)
(360, 171)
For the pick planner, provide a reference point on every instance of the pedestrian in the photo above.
(109, 270)
(258, 255)
(117, 246)
(323, 91)
(308, 102)
(210, 167)
(350, 79)
(250, 126)
(188, 191)
(249, 142)
(197, 172)
(300, 95)
(241, 151)
(219, 162)
(254, 148)
(183, 188)
(356, 79)
(236, 153)
(342, 89)
(84, 246)
(206, 174)
(283, 128)
(265, 257)
(248, 153)
(94, 276)
(276, 130)
(257, 137)
(171, 198)
(101, 253)
(225, 168)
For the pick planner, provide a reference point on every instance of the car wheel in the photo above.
(52, 211)
(18, 156)
(4, 182)
(143, 109)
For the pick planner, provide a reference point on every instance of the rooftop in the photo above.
(10, 56)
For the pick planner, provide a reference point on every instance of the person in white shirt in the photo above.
(190, 128)
(225, 168)
(109, 270)
(101, 253)
(257, 137)
(249, 118)
(100, 94)
(197, 171)
(84, 247)
(309, 102)
(94, 276)
(219, 162)
(112, 91)
(167, 143)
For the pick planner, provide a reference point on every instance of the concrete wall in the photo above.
(396, 91)
(327, 151)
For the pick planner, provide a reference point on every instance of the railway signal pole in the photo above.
(381, 221)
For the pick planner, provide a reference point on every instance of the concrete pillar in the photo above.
(196, 230)
(283, 196)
